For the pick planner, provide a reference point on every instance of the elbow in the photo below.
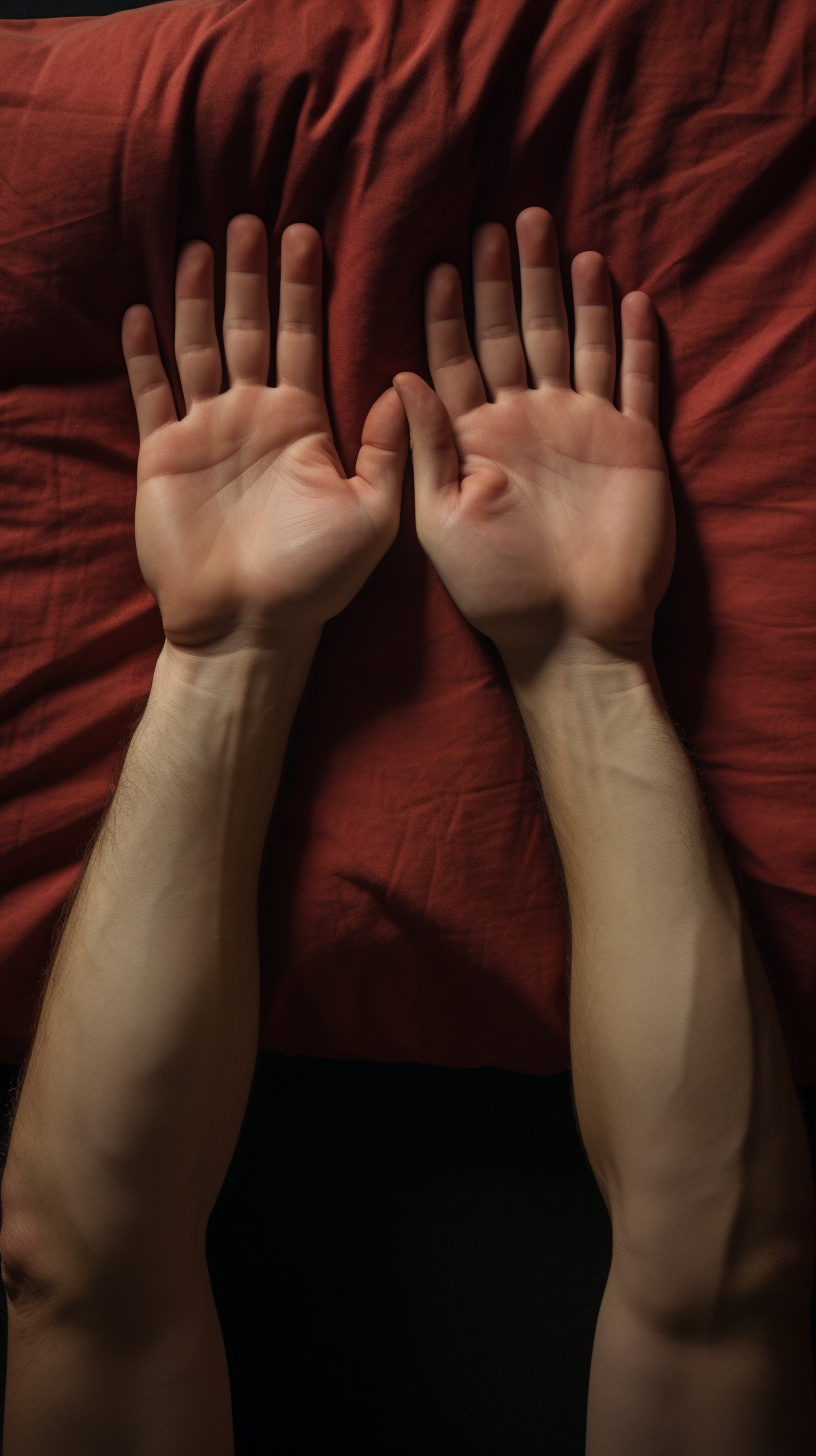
(114, 1277)
(726, 1273)
(769, 1274)
(715, 1234)
(47, 1270)
(24, 1262)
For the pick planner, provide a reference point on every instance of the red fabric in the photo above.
(409, 903)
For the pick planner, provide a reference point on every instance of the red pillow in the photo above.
(409, 903)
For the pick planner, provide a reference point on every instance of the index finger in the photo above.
(454, 370)
(300, 316)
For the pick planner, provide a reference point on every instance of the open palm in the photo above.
(545, 509)
(246, 524)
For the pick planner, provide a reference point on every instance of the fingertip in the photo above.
(638, 315)
(429, 422)
(407, 383)
(491, 253)
(442, 272)
(304, 231)
(537, 239)
(194, 270)
(415, 394)
(192, 248)
(301, 253)
(443, 292)
(247, 248)
(533, 216)
(588, 261)
(138, 331)
(246, 220)
(387, 416)
(590, 278)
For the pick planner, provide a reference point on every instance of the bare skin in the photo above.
(250, 536)
(547, 513)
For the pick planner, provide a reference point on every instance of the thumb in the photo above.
(436, 463)
(384, 448)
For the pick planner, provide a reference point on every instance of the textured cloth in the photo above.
(409, 903)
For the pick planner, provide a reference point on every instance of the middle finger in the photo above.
(246, 306)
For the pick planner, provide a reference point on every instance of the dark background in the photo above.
(407, 1260)
(40, 9)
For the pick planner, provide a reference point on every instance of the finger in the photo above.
(197, 351)
(543, 314)
(498, 342)
(454, 370)
(300, 316)
(152, 394)
(384, 450)
(436, 463)
(640, 356)
(246, 305)
(594, 355)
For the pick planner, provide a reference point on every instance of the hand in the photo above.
(247, 528)
(547, 512)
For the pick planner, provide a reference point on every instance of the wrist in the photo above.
(221, 723)
(236, 673)
(587, 708)
(602, 740)
(576, 663)
(243, 699)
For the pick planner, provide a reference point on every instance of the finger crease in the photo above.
(196, 349)
(245, 325)
(455, 360)
(499, 331)
(544, 322)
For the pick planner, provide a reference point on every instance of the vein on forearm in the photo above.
(657, 948)
(155, 981)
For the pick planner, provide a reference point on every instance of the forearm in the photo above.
(681, 1081)
(681, 1086)
(548, 515)
(144, 1053)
